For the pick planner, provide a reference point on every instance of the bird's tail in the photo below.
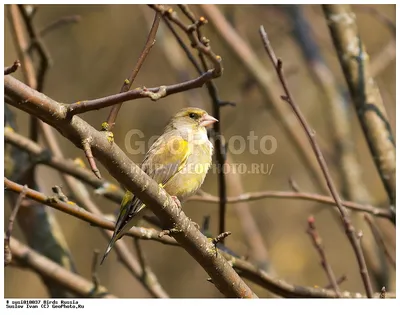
(114, 238)
(117, 235)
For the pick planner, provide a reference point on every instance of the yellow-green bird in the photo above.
(178, 161)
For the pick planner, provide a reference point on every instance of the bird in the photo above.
(178, 161)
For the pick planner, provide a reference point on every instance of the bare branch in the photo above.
(65, 20)
(36, 42)
(391, 25)
(28, 258)
(379, 212)
(365, 93)
(151, 39)
(317, 242)
(85, 106)
(338, 281)
(74, 168)
(268, 87)
(379, 239)
(95, 277)
(74, 210)
(14, 67)
(219, 239)
(278, 65)
(86, 144)
(7, 250)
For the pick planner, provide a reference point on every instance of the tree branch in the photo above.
(14, 67)
(151, 39)
(317, 242)
(28, 258)
(379, 212)
(278, 65)
(246, 269)
(364, 91)
(7, 250)
(153, 93)
(134, 179)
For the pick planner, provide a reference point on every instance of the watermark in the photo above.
(197, 169)
(136, 143)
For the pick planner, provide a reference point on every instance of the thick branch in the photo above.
(364, 91)
(135, 180)
(50, 270)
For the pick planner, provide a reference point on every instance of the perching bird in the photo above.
(178, 161)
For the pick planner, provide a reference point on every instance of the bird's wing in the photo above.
(166, 157)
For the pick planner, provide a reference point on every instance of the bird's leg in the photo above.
(178, 203)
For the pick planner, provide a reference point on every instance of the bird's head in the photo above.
(191, 118)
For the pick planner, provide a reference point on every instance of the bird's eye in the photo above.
(192, 115)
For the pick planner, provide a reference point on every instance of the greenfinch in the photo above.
(178, 161)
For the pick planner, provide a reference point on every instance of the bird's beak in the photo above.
(207, 120)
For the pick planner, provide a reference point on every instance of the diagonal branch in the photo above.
(317, 242)
(28, 258)
(7, 251)
(364, 91)
(135, 180)
(151, 39)
(349, 228)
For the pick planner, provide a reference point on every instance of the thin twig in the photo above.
(21, 45)
(14, 67)
(65, 20)
(339, 281)
(89, 155)
(85, 106)
(151, 39)
(95, 277)
(191, 31)
(317, 242)
(379, 16)
(379, 240)
(278, 65)
(45, 60)
(7, 250)
(220, 238)
(379, 212)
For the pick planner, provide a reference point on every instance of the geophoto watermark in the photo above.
(135, 143)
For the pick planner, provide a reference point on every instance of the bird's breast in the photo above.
(191, 177)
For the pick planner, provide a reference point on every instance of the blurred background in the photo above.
(90, 59)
